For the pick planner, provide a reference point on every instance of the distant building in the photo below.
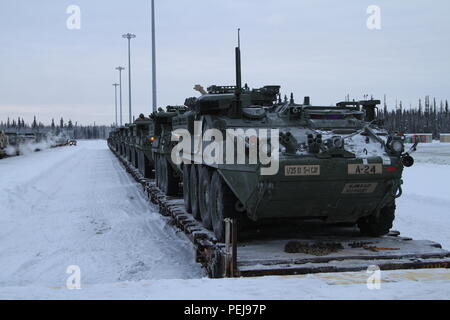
(419, 137)
(445, 137)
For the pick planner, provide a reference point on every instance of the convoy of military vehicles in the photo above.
(287, 164)
(335, 163)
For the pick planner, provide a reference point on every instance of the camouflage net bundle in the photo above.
(315, 249)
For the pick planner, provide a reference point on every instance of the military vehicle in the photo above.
(112, 139)
(143, 146)
(127, 142)
(167, 174)
(14, 141)
(119, 140)
(132, 157)
(336, 163)
(3, 143)
(333, 163)
(29, 138)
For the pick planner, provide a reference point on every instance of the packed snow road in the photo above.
(78, 206)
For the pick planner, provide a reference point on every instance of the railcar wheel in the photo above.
(193, 192)
(203, 196)
(374, 226)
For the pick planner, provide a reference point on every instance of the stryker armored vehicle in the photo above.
(336, 163)
(143, 146)
(125, 140)
(120, 140)
(132, 144)
(167, 174)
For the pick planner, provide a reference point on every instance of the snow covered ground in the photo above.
(77, 206)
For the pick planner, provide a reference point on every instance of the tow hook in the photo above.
(397, 191)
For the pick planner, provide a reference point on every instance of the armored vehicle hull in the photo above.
(143, 146)
(330, 194)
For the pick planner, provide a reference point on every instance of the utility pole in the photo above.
(129, 36)
(154, 58)
(120, 69)
(115, 95)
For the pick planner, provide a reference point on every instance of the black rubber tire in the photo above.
(171, 182)
(222, 205)
(147, 167)
(163, 176)
(374, 226)
(159, 172)
(136, 159)
(204, 189)
(144, 165)
(193, 192)
(186, 192)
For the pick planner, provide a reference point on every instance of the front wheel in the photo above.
(169, 177)
(377, 226)
(203, 196)
(222, 205)
(193, 192)
(186, 190)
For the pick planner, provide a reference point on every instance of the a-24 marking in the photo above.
(369, 169)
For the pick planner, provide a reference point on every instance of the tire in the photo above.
(222, 205)
(162, 173)
(170, 181)
(144, 165)
(158, 170)
(374, 226)
(203, 196)
(186, 192)
(193, 192)
(148, 169)
(136, 159)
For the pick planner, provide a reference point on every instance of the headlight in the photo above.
(338, 142)
(397, 146)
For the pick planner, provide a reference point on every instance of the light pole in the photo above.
(120, 69)
(129, 36)
(115, 95)
(154, 57)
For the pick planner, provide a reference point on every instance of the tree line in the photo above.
(74, 130)
(428, 116)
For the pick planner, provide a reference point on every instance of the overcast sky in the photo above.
(320, 48)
